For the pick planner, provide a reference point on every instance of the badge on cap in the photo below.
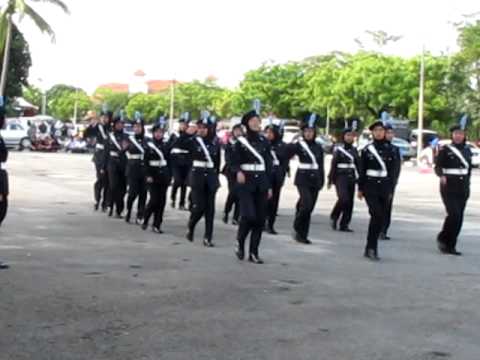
(257, 105)
(105, 108)
(354, 125)
(312, 120)
(463, 122)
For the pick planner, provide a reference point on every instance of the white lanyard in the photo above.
(275, 158)
(205, 150)
(350, 156)
(459, 155)
(309, 152)
(250, 148)
(157, 150)
(115, 142)
(372, 149)
(102, 131)
(137, 145)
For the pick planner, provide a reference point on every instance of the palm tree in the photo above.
(20, 8)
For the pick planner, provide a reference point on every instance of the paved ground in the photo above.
(83, 286)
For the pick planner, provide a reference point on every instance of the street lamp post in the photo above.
(420, 107)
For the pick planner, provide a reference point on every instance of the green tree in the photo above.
(115, 101)
(21, 8)
(61, 101)
(152, 106)
(277, 86)
(33, 95)
(197, 96)
(19, 63)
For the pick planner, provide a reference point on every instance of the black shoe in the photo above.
(189, 235)
(182, 207)
(371, 255)
(441, 247)
(346, 229)
(172, 204)
(298, 238)
(208, 243)
(225, 218)
(454, 252)
(110, 212)
(96, 206)
(145, 225)
(127, 217)
(271, 230)
(4, 266)
(119, 216)
(104, 208)
(157, 230)
(384, 237)
(235, 222)
(333, 224)
(255, 259)
(240, 253)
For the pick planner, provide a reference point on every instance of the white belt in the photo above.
(377, 173)
(305, 166)
(114, 154)
(202, 164)
(252, 167)
(276, 163)
(455, 171)
(134, 156)
(345, 166)
(178, 151)
(157, 163)
(3, 166)
(99, 147)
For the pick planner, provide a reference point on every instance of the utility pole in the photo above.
(6, 55)
(420, 107)
(172, 105)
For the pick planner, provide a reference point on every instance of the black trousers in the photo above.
(180, 176)
(101, 188)
(137, 188)
(305, 206)
(118, 187)
(377, 206)
(253, 212)
(455, 204)
(388, 215)
(343, 208)
(232, 200)
(156, 204)
(202, 205)
(3, 208)
(273, 203)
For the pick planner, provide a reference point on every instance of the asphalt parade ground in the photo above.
(84, 286)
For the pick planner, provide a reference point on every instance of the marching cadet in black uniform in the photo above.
(252, 163)
(101, 186)
(3, 174)
(136, 170)
(454, 167)
(158, 176)
(116, 163)
(377, 174)
(344, 174)
(309, 179)
(203, 179)
(180, 165)
(232, 197)
(273, 133)
(389, 135)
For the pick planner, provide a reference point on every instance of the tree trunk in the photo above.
(6, 56)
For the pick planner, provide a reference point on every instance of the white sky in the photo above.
(107, 40)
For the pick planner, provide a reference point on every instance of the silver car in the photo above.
(16, 136)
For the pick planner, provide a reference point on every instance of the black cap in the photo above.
(249, 115)
(377, 123)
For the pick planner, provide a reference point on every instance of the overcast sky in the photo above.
(107, 40)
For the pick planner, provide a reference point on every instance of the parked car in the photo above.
(15, 135)
(290, 133)
(327, 144)
(407, 151)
